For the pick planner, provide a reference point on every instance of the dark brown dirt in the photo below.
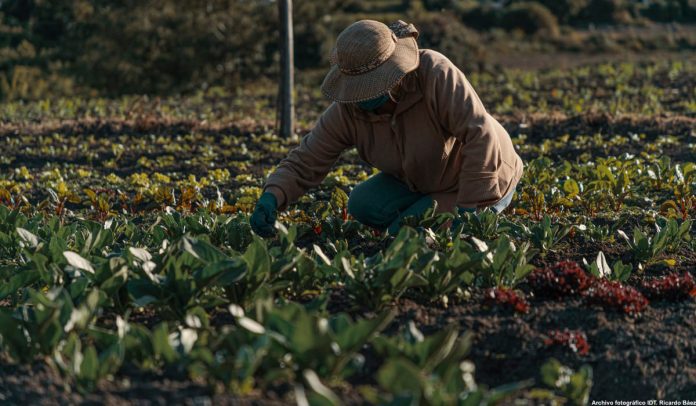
(38, 384)
(652, 356)
(536, 126)
(134, 127)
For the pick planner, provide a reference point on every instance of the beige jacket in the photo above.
(439, 141)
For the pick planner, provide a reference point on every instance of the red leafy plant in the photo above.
(672, 287)
(563, 279)
(612, 294)
(506, 298)
(576, 340)
(568, 279)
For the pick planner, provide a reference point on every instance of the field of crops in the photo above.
(129, 271)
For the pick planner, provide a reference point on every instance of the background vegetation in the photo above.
(110, 48)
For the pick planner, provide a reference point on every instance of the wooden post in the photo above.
(287, 107)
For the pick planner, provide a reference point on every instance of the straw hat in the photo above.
(369, 59)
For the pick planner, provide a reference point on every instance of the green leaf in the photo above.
(143, 291)
(339, 198)
(257, 258)
(78, 262)
(326, 395)
(571, 187)
(28, 237)
(603, 268)
(503, 248)
(89, 368)
(39, 262)
(578, 390)
(56, 246)
(499, 393)
(140, 253)
(621, 272)
(113, 283)
(161, 345)
(321, 255)
(13, 338)
(353, 337)
(111, 359)
(436, 348)
(552, 373)
(401, 376)
(77, 288)
(23, 278)
(222, 273)
(203, 250)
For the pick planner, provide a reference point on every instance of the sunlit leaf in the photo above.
(78, 262)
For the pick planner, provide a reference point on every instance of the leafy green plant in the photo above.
(91, 359)
(683, 189)
(483, 224)
(330, 347)
(599, 232)
(179, 279)
(668, 237)
(429, 220)
(232, 231)
(574, 386)
(504, 264)
(43, 320)
(612, 179)
(267, 268)
(546, 236)
(431, 370)
(534, 194)
(383, 278)
(450, 271)
(617, 272)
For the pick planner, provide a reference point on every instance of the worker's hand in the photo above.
(264, 216)
(460, 212)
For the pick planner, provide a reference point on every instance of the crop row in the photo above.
(647, 88)
(227, 317)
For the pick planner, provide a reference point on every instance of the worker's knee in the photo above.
(364, 207)
(417, 209)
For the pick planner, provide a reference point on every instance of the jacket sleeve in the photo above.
(308, 164)
(462, 114)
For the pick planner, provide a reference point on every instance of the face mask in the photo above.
(374, 104)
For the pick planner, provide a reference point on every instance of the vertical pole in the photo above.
(287, 108)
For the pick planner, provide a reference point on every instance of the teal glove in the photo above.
(264, 216)
(457, 220)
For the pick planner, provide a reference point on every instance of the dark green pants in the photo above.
(382, 201)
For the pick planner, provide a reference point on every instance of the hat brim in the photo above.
(343, 88)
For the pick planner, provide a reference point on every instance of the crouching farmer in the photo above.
(413, 115)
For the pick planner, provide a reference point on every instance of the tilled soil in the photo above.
(38, 384)
(536, 126)
(650, 356)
